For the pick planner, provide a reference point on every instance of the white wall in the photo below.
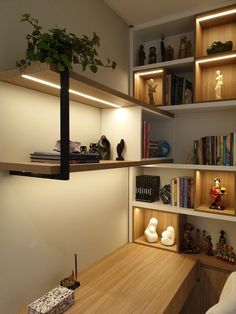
(42, 222)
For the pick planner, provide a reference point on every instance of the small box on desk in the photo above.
(56, 301)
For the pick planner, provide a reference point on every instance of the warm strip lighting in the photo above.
(150, 72)
(47, 83)
(217, 58)
(213, 16)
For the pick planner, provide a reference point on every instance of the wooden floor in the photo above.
(135, 279)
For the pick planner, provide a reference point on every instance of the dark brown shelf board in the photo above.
(47, 168)
(210, 63)
(78, 83)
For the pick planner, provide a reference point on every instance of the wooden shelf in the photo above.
(47, 168)
(78, 83)
(193, 167)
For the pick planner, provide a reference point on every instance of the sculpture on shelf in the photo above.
(218, 47)
(83, 149)
(188, 244)
(216, 192)
(119, 148)
(224, 250)
(168, 236)
(152, 55)
(189, 48)
(209, 245)
(188, 96)
(165, 194)
(183, 47)
(163, 49)
(93, 148)
(150, 232)
(141, 55)
(152, 85)
(219, 84)
(169, 53)
(104, 148)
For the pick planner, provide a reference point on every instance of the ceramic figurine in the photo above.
(141, 55)
(188, 241)
(104, 148)
(93, 148)
(150, 232)
(216, 192)
(204, 242)
(163, 49)
(219, 84)
(188, 97)
(222, 239)
(119, 148)
(209, 246)
(197, 240)
(168, 236)
(169, 53)
(189, 49)
(183, 47)
(152, 55)
(152, 85)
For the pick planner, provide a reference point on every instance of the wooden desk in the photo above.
(136, 279)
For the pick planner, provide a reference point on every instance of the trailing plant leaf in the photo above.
(61, 49)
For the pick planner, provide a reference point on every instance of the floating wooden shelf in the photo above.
(78, 83)
(47, 168)
(194, 167)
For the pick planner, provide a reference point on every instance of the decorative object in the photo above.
(163, 148)
(152, 55)
(150, 232)
(147, 188)
(119, 148)
(74, 146)
(168, 236)
(71, 282)
(93, 148)
(188, 96)
(224, 250)
(141, 55)
(218, 47)
(189, 49)
(163, 49)
(197, 240)
(209, 245)
(219, 84)
(204, 241)
(169, 53)
(58, 300)
(61, 49)
(165, 194)
(104, 148)
(83, 149)
(183, 47)
(216, 192)
(188, 244)
(152, 85)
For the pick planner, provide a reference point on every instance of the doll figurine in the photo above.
(216, 191)
(219, 84)
(152, 55)
(141, 55)
(150, 232)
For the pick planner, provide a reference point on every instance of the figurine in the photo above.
(163, 49)
(197, 240)
(189, 49)
(152, 55)
(141, 55)
(204, 241)
(215, 193)
(209, 246)
(104, 148)
(222, 239)
(218, 47)
(152, 85)
(119, 148)
(93, 148)
(188, 241)
(183, 47)
(83, 149)
(165, 194)
(188, 98)
(219, 84)
(168, 236)
(150, 232)
(169, 53)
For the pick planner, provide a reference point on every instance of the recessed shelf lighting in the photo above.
(71, 91)
(213, 16)
(216, 58)
(149, 72)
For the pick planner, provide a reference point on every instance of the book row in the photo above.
(182, 192)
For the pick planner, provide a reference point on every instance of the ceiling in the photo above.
(135, 12)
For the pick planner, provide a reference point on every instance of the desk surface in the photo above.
(136, 279)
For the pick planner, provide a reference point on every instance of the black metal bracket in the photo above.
(64, 173)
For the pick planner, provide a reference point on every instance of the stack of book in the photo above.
(75, 158)
(175, 89)
(182, 192)
(147, 188)
(216, 150)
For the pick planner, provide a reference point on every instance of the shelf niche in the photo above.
(141, 86)
(141, 218)
(204, 180)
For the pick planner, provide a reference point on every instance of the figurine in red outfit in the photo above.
(216, 191)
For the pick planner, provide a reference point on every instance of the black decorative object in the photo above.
(163, 49)
(104, 148)
(71, 282)
(152, 55)
(147, 188)
(165, 194)
(83, 149)
(119, 148)
(141, 55)
(93, 148)
(218, 47)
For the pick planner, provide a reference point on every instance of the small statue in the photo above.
(188, 96)
(215, 193)
(188, 241)
(169, 53)
(197, 240)
(152, 55)
(204, 241)
(183, 47)
(93, 148)
(209, 246)
(104, 148)
(83, 149)
(222, 239)
(119, 148)
(150, 232)
(219, 84)
(168, 236)
(152, 85)
(163, 49)
(165, 194)
(141, 55)
(189, 49)
(218, 47)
